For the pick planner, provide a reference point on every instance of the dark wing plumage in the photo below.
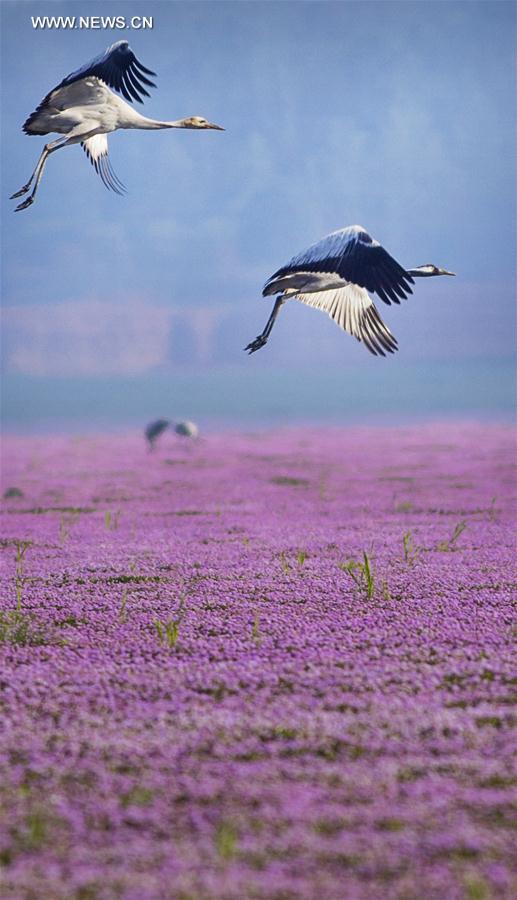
(154, 429)
(356, 257)
(119, 68)
(375, 335)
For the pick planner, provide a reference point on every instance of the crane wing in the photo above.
(96, 149)
(119, 68)
(356, 257)
(354, 311)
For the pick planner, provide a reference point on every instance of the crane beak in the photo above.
(445, 272)
(215, 127)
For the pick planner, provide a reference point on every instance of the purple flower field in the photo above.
(273, 665)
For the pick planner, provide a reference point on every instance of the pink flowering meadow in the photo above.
(274, 665)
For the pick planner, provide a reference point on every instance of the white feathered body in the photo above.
(310, 282)
(87, 102)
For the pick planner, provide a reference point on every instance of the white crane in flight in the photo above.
(335, 275)
(84, 109)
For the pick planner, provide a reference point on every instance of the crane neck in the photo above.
(135, 120)
(427, 271)
(418, 273)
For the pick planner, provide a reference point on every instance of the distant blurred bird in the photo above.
(83, 109)
(335, 275)
(13, 493)
(155, 429)
(186, 429)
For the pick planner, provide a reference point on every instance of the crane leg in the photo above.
(25, 188)
(261, 340)
(47, 149)
(38, 171)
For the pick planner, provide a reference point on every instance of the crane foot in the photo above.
(21, 192)
(259, 342)
(28, 202)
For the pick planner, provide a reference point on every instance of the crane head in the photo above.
(431, 269)
(200, 122)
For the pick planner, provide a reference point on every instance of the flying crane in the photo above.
(335, 275)
(84, 110)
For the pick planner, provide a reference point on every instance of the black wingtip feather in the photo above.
(119, 69)
(143, 68)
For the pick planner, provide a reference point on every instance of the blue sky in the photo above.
(397, 116)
